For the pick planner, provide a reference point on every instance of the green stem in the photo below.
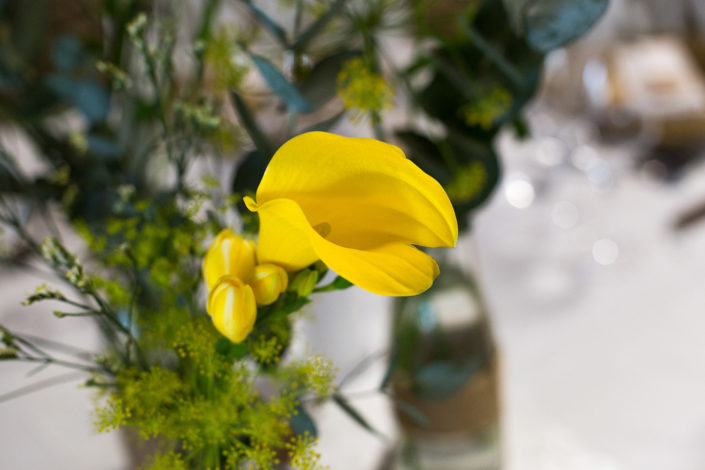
(60, 362)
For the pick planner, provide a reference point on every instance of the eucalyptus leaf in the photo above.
(550, 24)
(321, 86)
(8, 182)
(302, 423)
(29, 29)
(271, 25)
(316, 27)
(88, 95)
(249, 172)
(67, 53)
(102, 147)
(409, 410)
(471, 153)
(425, 153)
(249, 122)
(355, 415)
(280, 85)
(441, 379)
(391, 366)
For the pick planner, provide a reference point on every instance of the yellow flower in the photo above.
(231, 305)
(229, 254)
(359, 206)
(268, 281)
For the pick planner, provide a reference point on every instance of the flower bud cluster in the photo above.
(237, 284)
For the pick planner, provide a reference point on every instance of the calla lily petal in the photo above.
(366, 193)
(393, 269)
(283, 240)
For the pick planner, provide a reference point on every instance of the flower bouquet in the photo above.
(196, 266)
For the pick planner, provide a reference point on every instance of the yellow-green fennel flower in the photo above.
(363, 90)
(359, 205)
(229, 254)
(232, 307)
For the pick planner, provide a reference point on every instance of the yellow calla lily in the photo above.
(359, 205)
(229, 254)
(232, 307)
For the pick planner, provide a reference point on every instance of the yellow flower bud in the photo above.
(231, 305)
(268, 282)
(229, 254)
(304, 282)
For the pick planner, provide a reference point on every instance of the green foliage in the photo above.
(225, 59)
(43, 293)
(168, 461)
(279, 84)
(550, 24)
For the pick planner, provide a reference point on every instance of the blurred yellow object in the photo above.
(229, 254)
(359, 205)
(268, 281)
(232, 307)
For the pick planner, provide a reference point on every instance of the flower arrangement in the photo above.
(195, 282)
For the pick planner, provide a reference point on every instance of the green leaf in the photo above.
(338, 283)
(231, 350)
(302, 423)
(341, 283)
(250, 124)
(321, 86)
(290, 304)
(280, 85)
(469, 151)
(249, 172)
(29, 29)
(271, 25)
(391, 366)
(316, 27)
(550, 24)
(425, 153)
(9, 181)
(67, 53)
(345, 405)
(409, 410)
(87, 95)
(441, 380)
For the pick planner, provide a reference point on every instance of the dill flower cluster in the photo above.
(486, 110)
(362, 90)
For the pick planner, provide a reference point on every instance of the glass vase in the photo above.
(445, 379)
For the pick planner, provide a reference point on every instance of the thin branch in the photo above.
(41, 385)
(361, 366)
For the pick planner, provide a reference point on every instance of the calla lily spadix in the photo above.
(357, 204)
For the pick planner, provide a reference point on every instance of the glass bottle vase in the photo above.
(446, 376)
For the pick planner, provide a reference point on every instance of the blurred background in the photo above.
(590, 255)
